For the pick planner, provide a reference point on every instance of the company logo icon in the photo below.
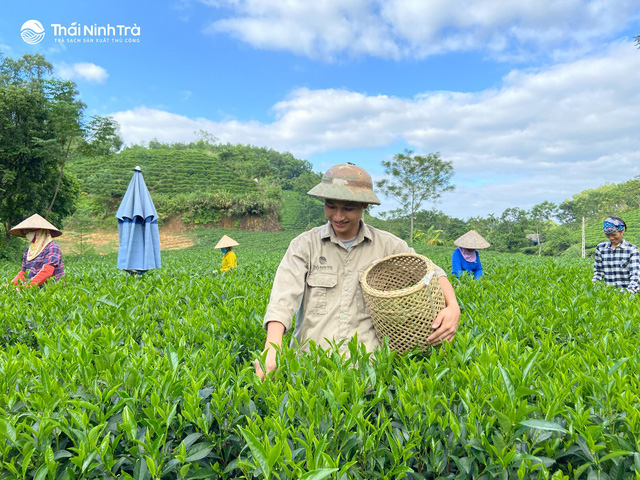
(32, 32)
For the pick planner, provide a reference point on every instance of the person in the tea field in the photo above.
(229, 259)
(318, 279)
(43, 259)
(617, 261)
(466, 258)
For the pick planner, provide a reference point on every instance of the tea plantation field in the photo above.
(113, 376)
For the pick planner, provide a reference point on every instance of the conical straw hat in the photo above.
(225, 242)
(471, 239)
(34, 222)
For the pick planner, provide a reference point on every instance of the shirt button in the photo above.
(346, 288)
(343, 317)
(348, 262)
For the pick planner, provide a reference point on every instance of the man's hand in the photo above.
(275, 331)
(269, 363)
(446, 322)
(445, 325)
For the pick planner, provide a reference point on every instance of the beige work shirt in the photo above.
(320, 279)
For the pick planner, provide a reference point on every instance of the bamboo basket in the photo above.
(404, 297)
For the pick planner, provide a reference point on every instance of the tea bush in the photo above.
(107, 375)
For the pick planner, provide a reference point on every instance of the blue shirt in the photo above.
(459, 264)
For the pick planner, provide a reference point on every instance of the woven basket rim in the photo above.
(394, 293)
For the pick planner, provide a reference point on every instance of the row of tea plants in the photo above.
(107, 375)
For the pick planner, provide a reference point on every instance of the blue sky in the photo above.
(531, 100)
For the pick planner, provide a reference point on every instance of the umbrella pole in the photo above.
(139, 273)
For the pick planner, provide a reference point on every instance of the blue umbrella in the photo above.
(138, 228)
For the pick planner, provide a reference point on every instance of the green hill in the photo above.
(201, 185)
(165, 171)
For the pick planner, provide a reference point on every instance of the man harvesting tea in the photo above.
(318, 279)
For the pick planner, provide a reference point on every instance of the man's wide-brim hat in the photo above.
(472, 240)
(34, 222)
(226, 242)
(346, 182)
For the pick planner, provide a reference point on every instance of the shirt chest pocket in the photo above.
(320, 286)
(625, 262)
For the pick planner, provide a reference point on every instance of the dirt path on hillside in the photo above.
(173, 236)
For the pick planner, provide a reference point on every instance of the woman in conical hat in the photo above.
(43, 259)
(466, 258)
(229, 259)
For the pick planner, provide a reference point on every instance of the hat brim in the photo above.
(226, 242)
(471, 240)
(23, 232)
(34, 222)
(331, 192)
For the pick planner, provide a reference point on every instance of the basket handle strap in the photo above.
(427, 280)
(428, 277)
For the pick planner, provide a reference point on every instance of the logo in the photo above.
(95, 33)
(324, 268)
(323, 260)
(32, 32)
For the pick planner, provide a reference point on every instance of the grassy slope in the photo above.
(167, 171)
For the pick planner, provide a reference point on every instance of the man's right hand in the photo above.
(269, 363)
(275, 331)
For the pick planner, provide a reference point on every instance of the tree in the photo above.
(34, 123)
(508, 235)
(102, 137)
(416, 179)
(484, 226)
(205, 139)
(451, 227)
(65, 117)
(607, 199)
(27, 71)
(541, 214)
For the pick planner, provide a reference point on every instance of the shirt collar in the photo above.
(327, 233)
(623, 244)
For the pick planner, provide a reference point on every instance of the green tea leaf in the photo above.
(198, 452)
(318, 474)
(543, 425)
(508, 383)
(258, 451)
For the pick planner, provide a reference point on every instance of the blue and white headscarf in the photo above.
(613, 225)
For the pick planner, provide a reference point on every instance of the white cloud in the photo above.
(509, 29)
(543, 135)
(89, 72)
(310, 28)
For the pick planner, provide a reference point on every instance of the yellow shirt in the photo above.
(320, 280)
(229, 261)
